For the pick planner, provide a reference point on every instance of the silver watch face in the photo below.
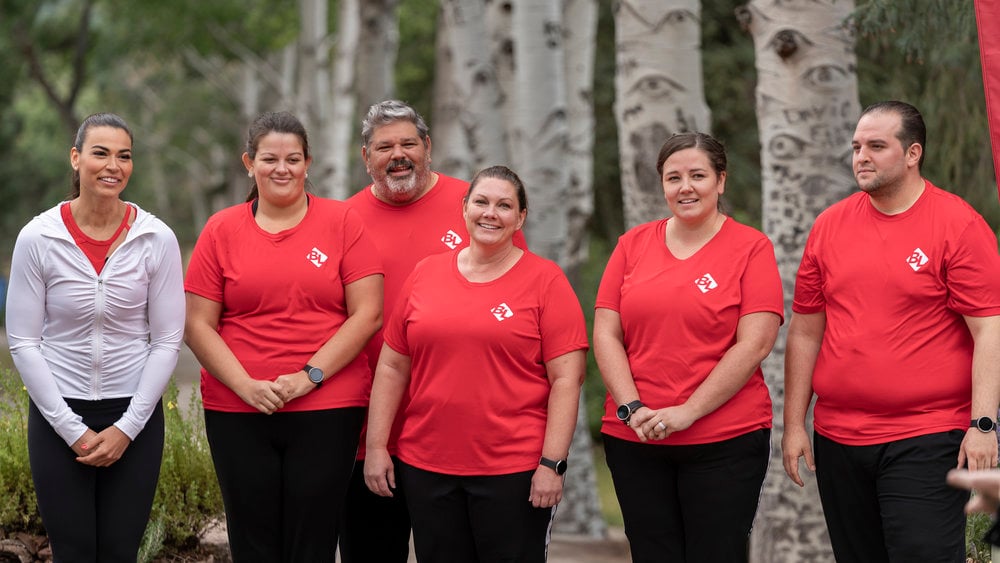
(316, 375)
(985, 424)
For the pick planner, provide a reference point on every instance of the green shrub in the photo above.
(187, 495)
(18, 511)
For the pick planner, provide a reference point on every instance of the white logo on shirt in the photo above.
(316, 256)
(502, 312)
(706, 283)
(451, 239)
(917, 259)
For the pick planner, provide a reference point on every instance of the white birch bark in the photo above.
(538, 129)
(580, 511)
(659, 91)
(467, 96)
(538, 137)
(378, 46)
(807, 108)
(338, 132)
(452, 155)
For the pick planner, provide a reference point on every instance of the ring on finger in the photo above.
(662, 427)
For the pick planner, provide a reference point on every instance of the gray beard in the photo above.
(403, 190)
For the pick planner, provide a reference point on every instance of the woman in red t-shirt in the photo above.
(283, 292)
(489, 343)
(687, 309)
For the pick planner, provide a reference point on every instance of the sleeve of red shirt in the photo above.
(561, 325)
(361, 257)
(761, 283)
(973, 272)
(808, 297)
(393, 332)
(204, 273)
(609, 292)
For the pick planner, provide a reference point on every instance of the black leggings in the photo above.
(284, 477)
(475, 518)
(689, 503)
(94, 514)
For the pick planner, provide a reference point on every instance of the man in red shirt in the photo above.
(411, 212)
(895, 328)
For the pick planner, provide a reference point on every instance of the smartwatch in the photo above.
(315, 374)
(984, 424)
(558, 466)
(625, 411)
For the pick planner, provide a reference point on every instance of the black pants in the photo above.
(689, 503)
(889, 502)
(283, 479)
(374, 528)
(475, 519)
(94, 514)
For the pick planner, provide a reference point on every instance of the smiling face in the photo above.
(691, 186)
(104, 162)
(398, 161)
(492, 211)
(279, 168)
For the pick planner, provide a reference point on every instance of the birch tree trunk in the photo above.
(580, 17)
(339, 129)
(807, 108)
(539, 136)
(659, 91)
(467, 96)
(376, 61)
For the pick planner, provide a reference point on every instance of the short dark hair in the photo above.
(273, 122)
(912, 128)
(501, 173)
(103, 119)
(391, 111)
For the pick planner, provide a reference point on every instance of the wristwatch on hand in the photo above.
(984, 424)
(315, 374)
(625, 411)
(558, 466)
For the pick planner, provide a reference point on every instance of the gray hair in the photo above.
(391, 111)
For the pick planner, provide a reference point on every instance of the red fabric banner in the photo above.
(988, 23)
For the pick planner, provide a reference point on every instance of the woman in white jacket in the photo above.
(95, 317)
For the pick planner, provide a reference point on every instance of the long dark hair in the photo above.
(273, 122)
(95, 120)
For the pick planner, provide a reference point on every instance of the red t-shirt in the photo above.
(679, 318)
(479, 389)
(405, 235)
(283, 297)
(896, 356)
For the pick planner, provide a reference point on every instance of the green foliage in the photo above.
(977, 550)
(593, 386)
(925, 52)
(18, 510)
(416, 58)
(187, 496)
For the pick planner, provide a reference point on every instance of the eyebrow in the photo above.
(104, 148)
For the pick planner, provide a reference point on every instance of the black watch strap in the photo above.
(559, 466)
(984, 424)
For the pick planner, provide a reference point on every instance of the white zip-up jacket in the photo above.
(75, 334)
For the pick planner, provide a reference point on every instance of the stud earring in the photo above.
(249, 173)
(307, 174)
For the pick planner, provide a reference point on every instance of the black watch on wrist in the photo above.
(315, 374)
(558, 466)
(984, 424)
(625, 411)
